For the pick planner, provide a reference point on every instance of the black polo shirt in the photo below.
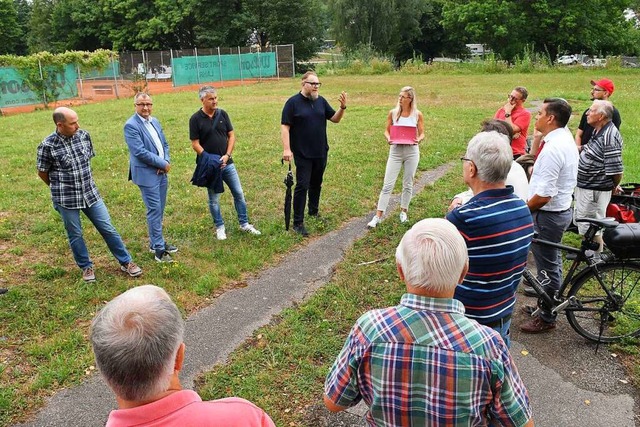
(308, 125)
(213, 132)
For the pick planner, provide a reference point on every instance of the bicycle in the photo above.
(603, 299)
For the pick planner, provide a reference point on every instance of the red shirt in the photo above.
(520, 117)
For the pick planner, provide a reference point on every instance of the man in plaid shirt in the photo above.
(423, 362)
(64, 164)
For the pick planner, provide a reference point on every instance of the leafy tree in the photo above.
(9, 30)
(552, 26)
(23, 10)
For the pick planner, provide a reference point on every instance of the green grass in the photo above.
(44, 319)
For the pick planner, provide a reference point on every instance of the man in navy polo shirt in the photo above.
(211, 133)
(304, 139)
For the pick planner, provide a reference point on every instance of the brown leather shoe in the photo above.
(536, 325)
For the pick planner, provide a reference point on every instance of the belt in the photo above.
(498, 322)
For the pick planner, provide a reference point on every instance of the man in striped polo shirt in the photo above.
(497, 228)
(599, 167)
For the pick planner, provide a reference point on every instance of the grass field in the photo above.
(44, 318)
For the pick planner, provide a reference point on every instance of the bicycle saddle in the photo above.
(602, 223)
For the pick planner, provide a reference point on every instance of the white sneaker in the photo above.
(403, 217)
(250, 229)
(220, 233)
(374, 222)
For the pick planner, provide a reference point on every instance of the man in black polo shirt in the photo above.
(601, 89)
(211, 133)
(304, 138)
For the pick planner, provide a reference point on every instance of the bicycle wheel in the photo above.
(599, 317)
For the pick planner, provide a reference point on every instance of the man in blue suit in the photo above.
(149, 165)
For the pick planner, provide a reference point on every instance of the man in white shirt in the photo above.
(551, 188)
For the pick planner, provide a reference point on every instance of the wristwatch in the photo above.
(507, 115)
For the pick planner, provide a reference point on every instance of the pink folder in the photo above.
(403, 134)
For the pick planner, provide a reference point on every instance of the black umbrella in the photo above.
(288, 181)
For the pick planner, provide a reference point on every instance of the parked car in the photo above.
(567, 60)
(595, 62)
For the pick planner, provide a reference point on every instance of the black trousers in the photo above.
(309, 173)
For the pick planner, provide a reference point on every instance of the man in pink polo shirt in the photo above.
(518, 117)
(137, 341)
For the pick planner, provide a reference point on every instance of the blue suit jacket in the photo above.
(144, 160)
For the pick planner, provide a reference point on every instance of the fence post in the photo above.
(220, 67)
(115, 78)
(293, 61)
(277, 64)
(173, 74)
(44, 88)
(80, 81)
(240, 65)
(195, 49)
(259, 66)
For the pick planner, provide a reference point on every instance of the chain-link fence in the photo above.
(153, 71)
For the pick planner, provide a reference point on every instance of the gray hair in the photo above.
(141, 95)
(603, 107)
(522, 91)
(492, 155)
(135, 339)
(204, 90)
(432, 255)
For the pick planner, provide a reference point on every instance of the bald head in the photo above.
(66, 121)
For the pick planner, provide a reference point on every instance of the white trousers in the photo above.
(399, 156)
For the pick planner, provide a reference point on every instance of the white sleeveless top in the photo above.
(407, 121)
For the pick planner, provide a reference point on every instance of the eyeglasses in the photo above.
(145, 104)
(595, 89)
(464, 159)
(404, 97)
(513, 97)
(314, 84)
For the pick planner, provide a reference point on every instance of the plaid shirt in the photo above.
(424, 363)
(68, 162)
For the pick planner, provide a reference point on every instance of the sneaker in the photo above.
(3, 291)
(221, 234)
(299, 228)
(374, 222)
(131, 269)
(403, 217)
(529, 291)
(528, 309)
(536, 325)
(167, 248)
(250, 229)
(88, 275)
(163, 256)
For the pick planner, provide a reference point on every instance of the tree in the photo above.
(550, 26)
(9, 30)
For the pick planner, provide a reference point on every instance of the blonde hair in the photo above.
(397, 111)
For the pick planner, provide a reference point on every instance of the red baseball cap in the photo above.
(605, 84)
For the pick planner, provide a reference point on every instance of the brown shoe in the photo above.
(536, 325)
(131, 269)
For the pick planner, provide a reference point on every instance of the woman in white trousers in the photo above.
(405, 156)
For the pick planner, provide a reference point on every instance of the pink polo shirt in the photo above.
(185, 408)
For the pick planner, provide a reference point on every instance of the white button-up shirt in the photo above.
(154, 135)
(555, 171)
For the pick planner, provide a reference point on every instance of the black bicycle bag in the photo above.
(624, 240)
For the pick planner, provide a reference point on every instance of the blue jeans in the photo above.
(550, 226)
(99, 216)
(231, 178)
(155, 199)
(503, 330)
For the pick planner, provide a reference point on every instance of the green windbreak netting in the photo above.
(213, 68)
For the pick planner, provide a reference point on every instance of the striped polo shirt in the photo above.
(601, 158)
(498, 228)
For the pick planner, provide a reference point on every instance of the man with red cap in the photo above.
(601, 89)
